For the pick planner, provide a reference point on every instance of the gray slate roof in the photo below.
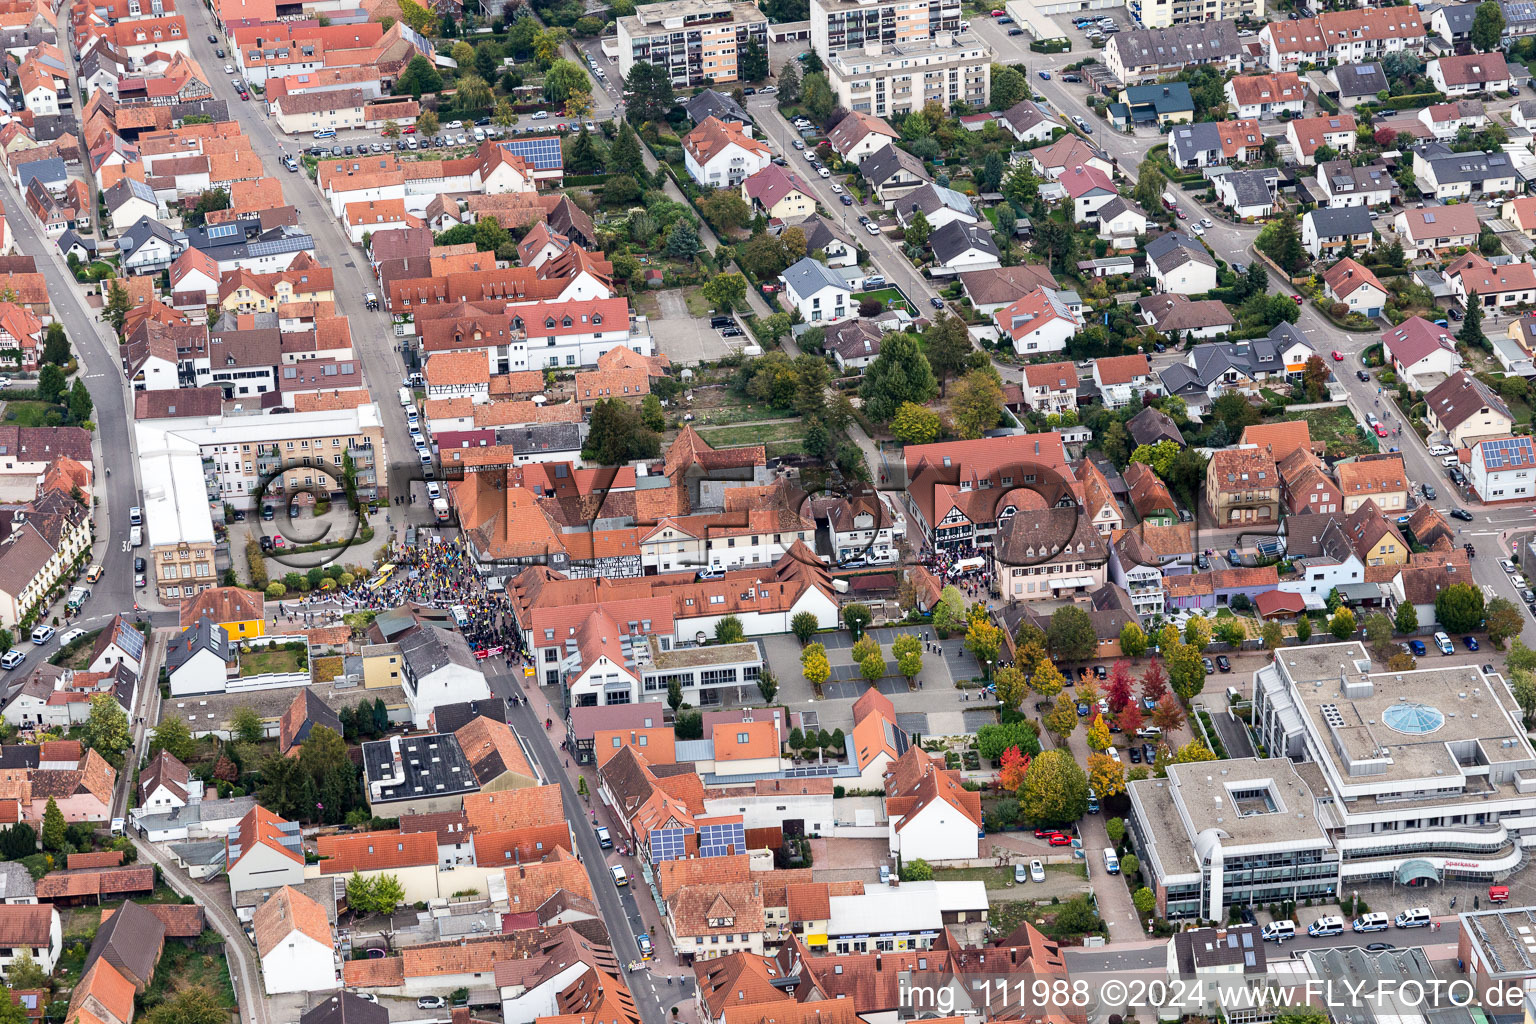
(1180, 44)
(1451, 167)
(1176, 249)
(956, 237)
(1186, 140)
(1338, 223)
(16, 881)
(710, 103)
(1250, 187)
(808, 276)
(140, 233)
(429, 648)
(202, 635)
(883, 165)
(126, 189)
(931, 198)
(1360, 79)
(46, 171)
(1458, 17)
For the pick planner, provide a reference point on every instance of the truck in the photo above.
(370, 300)
(440, 509)
(1168, 203)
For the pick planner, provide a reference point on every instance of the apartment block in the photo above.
(901, 79)
(698, 42)
(852, 25)
(1165, 13)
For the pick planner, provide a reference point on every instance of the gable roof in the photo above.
(958, 237)
(854, 128)
(1340, 222)
(1347, 275)
(287, 911)
(714, 136)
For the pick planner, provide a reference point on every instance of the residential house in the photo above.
(931, 814)
(1149, 496)
(1049, 554)
(1098, 499)
(1470, 74)
(778, 193)
(1030, 124)
(1142, 54)
(1521, 212)
(1381, 479)
(1446, 120)
(1266, 96)
(1122, 379)
(1152, 425)
(1122, 222)
(1308, 135)
(1474, 279)
(1465, 411)
(1242, 486)
(721, 154)
(1157, 104)
(860, 135)
(1181, 264)
(892, 172)
(295, 943)
(1325, 232)
(411, 858)
(939, 206)
(854, 344)
(1175, 315)
(1430, 232)
(862, 527)
(263, 852)
(959, 247)
(1341, 37)
(1341, 183)
(991, 290)
(128, 201)
(1357, 83)
(166, 784)
(1067, 153)
(876, 741)
(1050, 387)
(1446, 174)
(1500, 469)
(818, 293)
(1418, 349)
(33, 930)
(1038, 323)
(1350, 283)
(1090, 188)
(1306, 487)
(1249, 194)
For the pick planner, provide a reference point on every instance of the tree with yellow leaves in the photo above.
(1098, 734)
(1046, 679)
(1106, 776)
(1197, 632)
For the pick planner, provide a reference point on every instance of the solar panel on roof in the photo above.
(223, 230)
(543, 153)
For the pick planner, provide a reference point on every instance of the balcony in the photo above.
(268, 462)
(361, 456)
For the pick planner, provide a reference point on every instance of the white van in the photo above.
(135, 536)
(1111, 862)
(1414, 917)
(406, 398)
(1372, 922)
(1326, 926)
(1279, 931)
(460, 615)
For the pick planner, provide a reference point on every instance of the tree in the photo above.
(1186, 671)
(907, 649)
(1106, 776)
(419, 77)
(916, 870)
(900, 373)
(56, 345)
(1280, 240)
(817, 97)
(1192, 752)
(856, 617)
(682, 240)
(427, 123)
(652, 89)
(1471, 333)
(1013, 769)
(803, 625)
(1098, 735)
(675, 694)
(564, 79)
(1008, 87)
(1061, 720)
(1273, 635)
(80, 404)
(55, 828)
(50, 384)
(814, 665)
(729, 631)
(1459, 607)
(106, 730)
(1118, 689)
(949, 346)
(1145, 900)
(993, 739)
(1071, 636)
(767, 686)
(173, 737)
(726, 291)
(949, 613)
(246, 724)
(984, 640)
(1154, 681)
(1378, 630)
(651, 414)
(914, 424)
(1046, 679)
(1130, 719)
(789, 81)
(18, 841)
(332, 775)
(753, 66)
(1115, 829)
(918, 231)
(1342, 625)
(1487, 26)
(1133, 640)
(978, 403)
(1503, 621)
(617, 434)
(1197, 632)
(360, 893)
(1521, 683)
(872, 668)
(25, 972)
(388, 893)
(1055, 789)
(1150, 183)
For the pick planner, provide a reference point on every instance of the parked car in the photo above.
(1209, 666)
(1059, 840)
(12, 659)
(1223, 664)
(431, 1003)
(847, 199)
(1470, 642)
(1020, 873)
(1507, 565)
(936, 302)
(1036, 871)
(1135, 755)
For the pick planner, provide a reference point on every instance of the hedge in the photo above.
(578, 180)
(1051, 46)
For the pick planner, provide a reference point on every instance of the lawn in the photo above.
(270, 659)
(1337, 429)
(887, 297)
(29, 414)
(728, 437)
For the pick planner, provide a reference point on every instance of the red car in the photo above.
(998, 14)
(1059, 840)
(1182, 214)
(1046, 833)
(1297, 299)
(409, 129)
(1338, 356)
(1381, 431)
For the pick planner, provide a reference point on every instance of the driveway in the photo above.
(690, 340)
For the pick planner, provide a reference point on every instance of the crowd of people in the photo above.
(959, 566)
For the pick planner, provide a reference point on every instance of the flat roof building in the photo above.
(1418, 775)
(1213, 835)
(697, 41)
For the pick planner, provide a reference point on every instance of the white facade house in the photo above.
(294, 940)
(1180, 264)
(1503, 469)
(1038, 323)
(930, 813)
(1471, 74)
(33, 929)
(438, 668)
(263, 852)
(721, 154)
(818, 293)
(864, 528)
(1121, 221)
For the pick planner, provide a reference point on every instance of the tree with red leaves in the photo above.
(1118, 690)
(1015, 766)
(1154, 681)
(1168, 716)
(1130, 718)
